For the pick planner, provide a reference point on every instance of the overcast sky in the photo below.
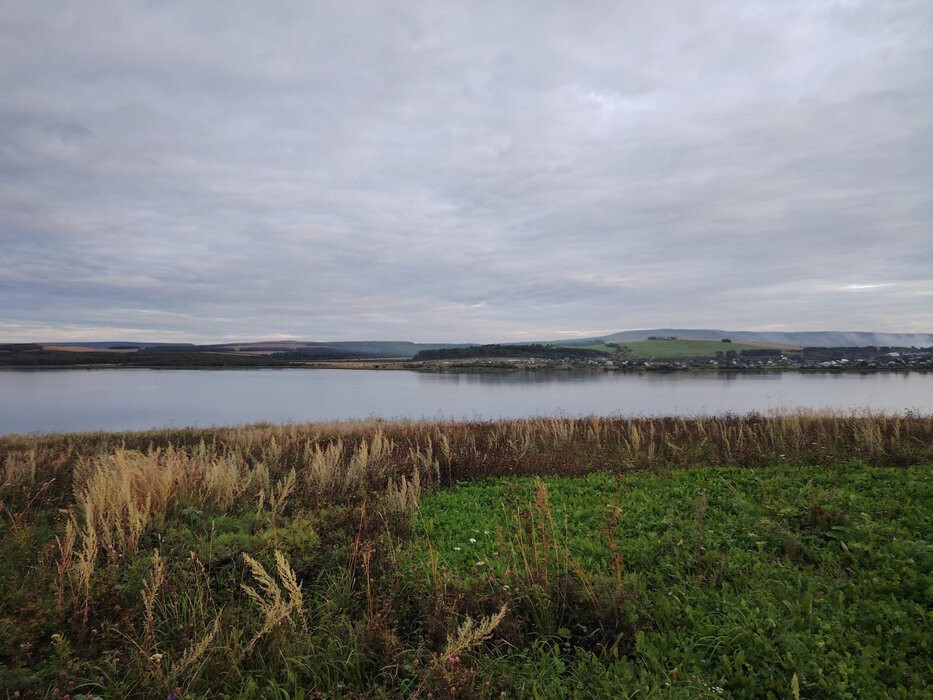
(463, 171)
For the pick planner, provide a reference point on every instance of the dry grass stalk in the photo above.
(425, 462)
(370, 460)
(280, 494)
(196, 651)
(467, 636)
(272, 601)
(471, 633)
(120, 497)
(150, 590)
(83, 567)
(18, 470)
(324, 472)
(66, 554)
(403, 497)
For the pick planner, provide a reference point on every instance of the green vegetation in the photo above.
(734, 556)
(602, 347)
(698, 583)
(684, 348)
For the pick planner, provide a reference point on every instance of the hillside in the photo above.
(805, 339)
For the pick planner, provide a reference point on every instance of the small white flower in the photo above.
(456, 549)
(485, 532)
(472, 540)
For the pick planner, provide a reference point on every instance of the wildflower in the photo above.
(456, 549)
(416, 662)
(692, 677)
(472, 540)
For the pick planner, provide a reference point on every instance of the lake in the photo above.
(139, 399)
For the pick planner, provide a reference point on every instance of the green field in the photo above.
(684, 348)
(553, 558)
(602, 347)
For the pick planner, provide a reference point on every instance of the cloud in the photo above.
(463, 171)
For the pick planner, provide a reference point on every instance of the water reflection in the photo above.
(139, 399)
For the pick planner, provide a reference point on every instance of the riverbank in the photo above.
(683, 557)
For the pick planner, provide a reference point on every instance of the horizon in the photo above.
(214, 173)
(715, 334)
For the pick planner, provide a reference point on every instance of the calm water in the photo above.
(139, 399)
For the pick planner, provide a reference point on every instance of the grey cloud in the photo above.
(450, 171)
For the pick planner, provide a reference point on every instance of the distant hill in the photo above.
(823, 339)
(354, 348)
(119, 344)
(363, 349)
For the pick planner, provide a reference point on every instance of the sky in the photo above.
(463, 171)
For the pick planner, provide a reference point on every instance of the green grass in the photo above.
(684, 348)
(602, 347)
(822, 573)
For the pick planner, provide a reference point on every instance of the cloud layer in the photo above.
(463, 170)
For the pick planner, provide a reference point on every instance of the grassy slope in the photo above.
(806, 551)
(685, 348)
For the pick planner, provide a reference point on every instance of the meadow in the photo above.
(686, 348)
(732, 556)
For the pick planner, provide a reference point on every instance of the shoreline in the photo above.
(388, 365)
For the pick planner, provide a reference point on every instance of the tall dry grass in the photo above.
(123, 478)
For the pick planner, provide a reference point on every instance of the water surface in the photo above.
(140, 399)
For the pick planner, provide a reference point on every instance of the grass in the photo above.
(819, 573)
(685, 348)
(733, 555)
(602, 347)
